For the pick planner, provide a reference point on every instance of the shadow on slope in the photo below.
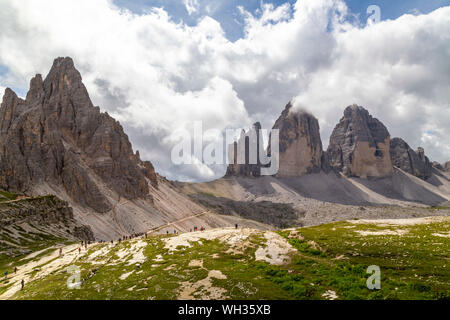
(280, 215)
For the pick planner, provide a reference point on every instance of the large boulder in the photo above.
(57, 136)
(405, 158)
(359, 145)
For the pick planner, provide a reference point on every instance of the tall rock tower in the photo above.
(360, 145)
(300, 144)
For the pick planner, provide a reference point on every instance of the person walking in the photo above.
(236, 225)
(22, 283)
(6, 274)
(60, 252)
(15, 270)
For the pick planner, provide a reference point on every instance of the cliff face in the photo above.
(408, 160)
(57, 136)
(249, 165)
(360, 145)
(300, 144)
(48, 213)
(447, 166)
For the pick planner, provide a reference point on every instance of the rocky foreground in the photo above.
(324, 262)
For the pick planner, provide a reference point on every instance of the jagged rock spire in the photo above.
(300, 143)
(359, 145)
(57, 137)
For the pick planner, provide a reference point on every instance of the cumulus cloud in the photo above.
(156, 75)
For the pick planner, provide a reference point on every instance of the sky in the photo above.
(160, 66)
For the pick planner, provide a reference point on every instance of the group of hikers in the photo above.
(130, 237)
(22, 283)
(133, 236)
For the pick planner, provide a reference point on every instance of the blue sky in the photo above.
(226, 12)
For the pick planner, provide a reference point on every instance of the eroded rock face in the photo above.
(43, 211)
(300, 144)
(359, 145)
(250, 165)
(415, 163)
(57, 136)
(447, 166)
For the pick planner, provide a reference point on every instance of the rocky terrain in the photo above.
(362, 174)
(56, 142)
(29, 222)
(405, 158)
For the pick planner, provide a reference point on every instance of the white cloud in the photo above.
(156, 75)
(399, 71)
(191, 6)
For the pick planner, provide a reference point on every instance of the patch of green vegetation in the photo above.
(207, 194)
(436, 208)
(413, 262)
(328, 260)
(7, 196)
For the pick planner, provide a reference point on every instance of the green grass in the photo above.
(7, 196)
(414, 265)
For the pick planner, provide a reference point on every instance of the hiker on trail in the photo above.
(82, 243)
(22, 283)
(79, 250)
(15, 269)
(6, 274)
(60, 252)
(236, 225)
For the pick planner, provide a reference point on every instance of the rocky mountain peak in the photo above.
(249, 167)
(405, 158)
(447, 166)
(36, 91)
(359, 145)
(300, 144)
(57, 137)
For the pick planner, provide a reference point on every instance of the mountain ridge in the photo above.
(57, 142)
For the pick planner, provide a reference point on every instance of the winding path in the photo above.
(178, 221)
